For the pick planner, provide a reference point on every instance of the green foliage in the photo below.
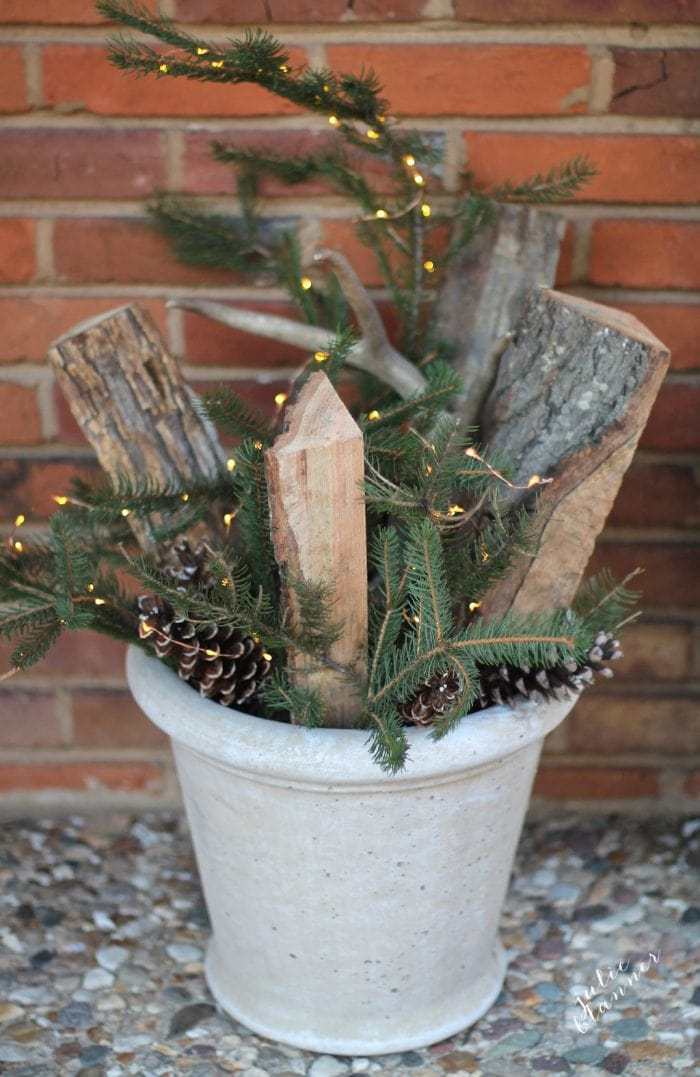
(302, 705)
(557, 185)
(605, 605)
(440, 529)
(235, 416)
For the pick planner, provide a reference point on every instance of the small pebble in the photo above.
(76, 1015)
(126, 1044)
(630, 1028)
(593, 1054)
(326, 1066)
(564, 892)
(183, 952)
(97, 980)
(616, 1062)
(9, 1012)
(134, 899)
(102, 921)
(111, 957)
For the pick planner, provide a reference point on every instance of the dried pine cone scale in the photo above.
(507, 684)
(223, 663)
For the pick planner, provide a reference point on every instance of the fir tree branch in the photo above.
(557, 185)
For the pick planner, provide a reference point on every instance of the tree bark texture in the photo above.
(485, 291)
(128, 396)
(573, 394)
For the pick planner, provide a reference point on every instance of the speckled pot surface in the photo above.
(353, 912)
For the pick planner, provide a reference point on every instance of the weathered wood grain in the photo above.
(315, 471)
(128, 396)
(485, 290)
(573, 395)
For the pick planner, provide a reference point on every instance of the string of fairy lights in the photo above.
(381, 213)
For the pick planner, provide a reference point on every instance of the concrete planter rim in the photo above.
(279, 753)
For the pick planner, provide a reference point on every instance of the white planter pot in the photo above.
(353, 912)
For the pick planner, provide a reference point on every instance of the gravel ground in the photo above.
(103, 926)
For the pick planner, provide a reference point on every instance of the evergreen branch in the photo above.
(34, 643)
(604, 604)
(304, 705)
(15, 619)
(207, 239)
(257, 57)
(385, 554)
(235, 416)
(387, 740)
(559, 184)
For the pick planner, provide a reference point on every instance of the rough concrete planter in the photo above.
(352, 912)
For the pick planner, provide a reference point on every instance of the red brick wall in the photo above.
(510, 87)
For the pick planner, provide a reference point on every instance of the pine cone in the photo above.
(187, 567)
(222, 662)
(507, 684)
(432, 699)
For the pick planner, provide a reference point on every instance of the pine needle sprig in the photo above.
(235, 416)
(303, 705)
(604, 604)
(557, 185)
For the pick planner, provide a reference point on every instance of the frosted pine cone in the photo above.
(222, 662)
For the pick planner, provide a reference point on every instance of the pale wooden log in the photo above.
(573, 395)
(128, 396)
(315, 471)
(485, 289)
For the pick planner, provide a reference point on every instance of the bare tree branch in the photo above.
(390, 366)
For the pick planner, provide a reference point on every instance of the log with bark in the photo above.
(573, 394)
(485, 290)
(128, 396)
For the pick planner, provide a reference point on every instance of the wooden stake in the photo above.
(315, 471)
(129, 398)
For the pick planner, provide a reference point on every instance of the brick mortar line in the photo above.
(64, 713)
(425, 33)
(583, 228)
(173, 144)
(649, 758)
(601, 81)
(650, 535)
(41, 685)
(648, 456)
(578, 123)
(683, 377)
(43, 248)
(324, 208)
(76, 754)
(683, 689)
(34, 76)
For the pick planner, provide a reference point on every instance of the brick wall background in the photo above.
(510, 87)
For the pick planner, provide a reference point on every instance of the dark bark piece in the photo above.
(572, 397)
(128, 396)
(485, 289)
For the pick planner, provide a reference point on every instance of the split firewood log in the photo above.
(485, 290)
(573, 394)
(128, 396)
